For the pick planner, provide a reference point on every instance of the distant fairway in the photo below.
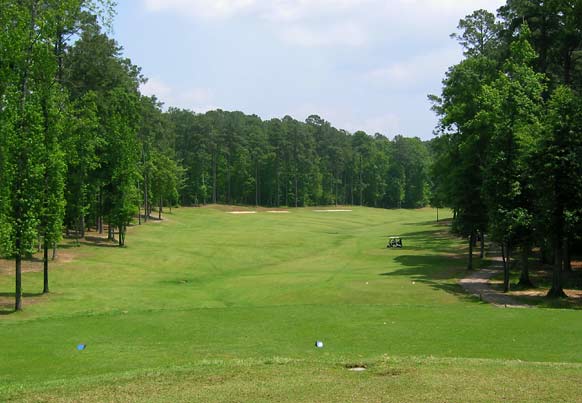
(210, 306)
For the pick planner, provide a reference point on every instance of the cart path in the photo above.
(477, 284)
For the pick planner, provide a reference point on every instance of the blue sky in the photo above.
(360, 64)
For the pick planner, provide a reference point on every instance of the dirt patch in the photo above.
(7, 302)
(34, 264)
(543, 292)
(28, 266)
(480, 284)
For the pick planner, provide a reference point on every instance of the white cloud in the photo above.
(155, 87)
(196, 99)
(201, 8)
(329, 22)
(348, 34)
(416, 71)
(293, 10)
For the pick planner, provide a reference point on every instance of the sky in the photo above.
(359, 64)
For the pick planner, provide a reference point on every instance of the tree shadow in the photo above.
(435, 240)
(24, 294)
(7, 305)
(99, 242)
(443, 222)
(436, 271)
(6, 311)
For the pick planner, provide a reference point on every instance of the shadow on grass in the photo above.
(438, 272)
(24, 295)
(7, 305)
(443, 222)
(437, 240)
(91, 241)
(541, 276)
(6, 311)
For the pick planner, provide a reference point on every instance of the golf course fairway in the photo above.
(215, 307)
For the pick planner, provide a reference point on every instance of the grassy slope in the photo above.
(216, 307)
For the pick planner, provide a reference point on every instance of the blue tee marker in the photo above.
(81, 347)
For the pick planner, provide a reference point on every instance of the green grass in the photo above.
(209, 306)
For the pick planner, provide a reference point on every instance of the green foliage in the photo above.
(506, 154)
(512, 108)
(229, 157)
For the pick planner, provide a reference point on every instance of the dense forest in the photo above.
(509, 150)
(232, 158)
(81, 149)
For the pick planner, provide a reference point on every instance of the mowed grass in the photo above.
(210, 306)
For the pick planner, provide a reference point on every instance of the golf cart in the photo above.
(394, 242)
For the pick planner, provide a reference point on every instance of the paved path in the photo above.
(478, 284)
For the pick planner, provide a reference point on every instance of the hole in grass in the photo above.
(356, 367)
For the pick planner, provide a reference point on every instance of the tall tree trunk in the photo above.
(296, 192)
(557, 291)
(471, 243)
(278, 179)
(361, 183)
(352, 189)
(45, 289)
(146, 201)
(336, 191)
(482, 252)
(100, 217)
(228, 168)
(18, 290)
(214, 163)
(567, 257)
(257, 183)
(506, 267)
(205, 190)
(524, 279)
(18, 213)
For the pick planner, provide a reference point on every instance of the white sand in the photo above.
(332, 211)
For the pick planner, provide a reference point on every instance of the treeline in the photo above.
(82, 150)
(232, 158)
(79, 145)
(509, 153)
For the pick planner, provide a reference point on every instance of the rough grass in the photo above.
(209, 306)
